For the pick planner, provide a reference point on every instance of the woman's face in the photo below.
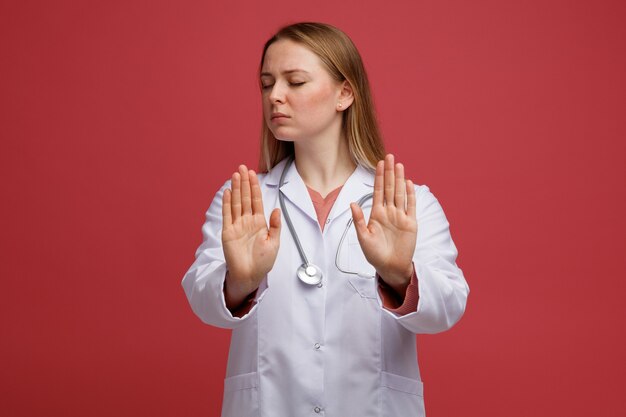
(300, 98)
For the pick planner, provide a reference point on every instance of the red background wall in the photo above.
(119, 120)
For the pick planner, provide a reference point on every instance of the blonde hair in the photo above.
(343, 62)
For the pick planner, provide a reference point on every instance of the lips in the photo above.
(278, 115)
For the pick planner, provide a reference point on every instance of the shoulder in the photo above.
(422, 190)
(423, 194)
(272, 177)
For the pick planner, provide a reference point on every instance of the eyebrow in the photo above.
(290, 71)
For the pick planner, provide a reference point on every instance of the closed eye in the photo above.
(268, 86)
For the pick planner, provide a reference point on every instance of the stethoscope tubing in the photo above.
(306, 265)
(281, 199)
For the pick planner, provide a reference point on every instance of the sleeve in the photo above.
(441, 285)
(394, 302)
(204, 281)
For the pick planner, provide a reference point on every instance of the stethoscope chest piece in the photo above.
(310, 274)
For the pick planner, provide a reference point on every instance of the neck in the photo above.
(324, 165)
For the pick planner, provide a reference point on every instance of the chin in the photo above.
(283, 136)
(284, 139)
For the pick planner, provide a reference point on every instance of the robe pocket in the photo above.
(365, 287)
(401, 396)
(241, 396)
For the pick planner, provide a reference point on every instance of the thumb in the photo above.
(274, 231)
(359, 220)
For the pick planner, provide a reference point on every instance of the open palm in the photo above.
(388, 239)
(250, 247)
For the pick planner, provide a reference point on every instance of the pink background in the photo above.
(119, 120)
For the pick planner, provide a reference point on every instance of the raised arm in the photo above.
(237, 251)
(250, 248)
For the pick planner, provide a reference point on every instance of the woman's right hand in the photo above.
(250, 248)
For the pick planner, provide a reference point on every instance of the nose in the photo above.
(277, 94)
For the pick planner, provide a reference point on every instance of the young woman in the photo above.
(326, 266)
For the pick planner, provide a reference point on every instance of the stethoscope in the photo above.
(308, 272)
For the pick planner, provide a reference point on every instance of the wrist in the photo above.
(398, 281)
(237, 291)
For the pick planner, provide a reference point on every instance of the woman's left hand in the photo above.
(388, 239)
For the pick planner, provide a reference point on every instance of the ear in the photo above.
(346, 96)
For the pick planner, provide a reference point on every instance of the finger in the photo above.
(227, 218)
(236, 197)
(274, 232)
(378, 184)
(400, 186)
(359, 220)
(246, 206)
(255, 190)
(410, 195)
(389, 180)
